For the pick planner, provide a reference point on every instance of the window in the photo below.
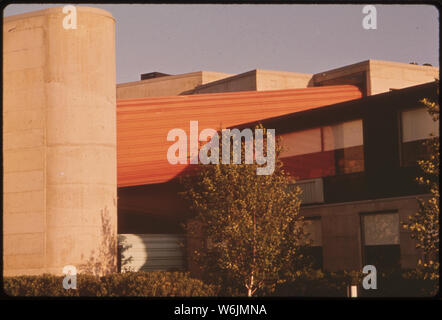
(417, 126)
(324, 151)
(346, 141)
(314, 230)
(381, 240)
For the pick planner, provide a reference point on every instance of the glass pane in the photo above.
(417, 124)
(301, 142)
(414, 151)
(349, 160)
(343, 135)
(313, 165)
(381, 229)
(325, 151)
(384, 258)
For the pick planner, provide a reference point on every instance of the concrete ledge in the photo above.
(57, 11)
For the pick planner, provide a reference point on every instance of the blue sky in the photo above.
(237, 38)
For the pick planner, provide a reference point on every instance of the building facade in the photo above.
(85, 158)
(355, 159)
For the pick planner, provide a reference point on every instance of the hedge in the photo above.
(180, 284)
(317, 283)
(335, 284)
(130, 284)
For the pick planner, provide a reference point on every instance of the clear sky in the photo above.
(237, 38)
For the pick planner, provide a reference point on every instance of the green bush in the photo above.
(402, 283)
(130, 284)
(317, 283)
(397, 283)
(180, 284)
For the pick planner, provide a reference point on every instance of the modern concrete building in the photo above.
(156, 84)
(356, 162)
(72, 137)
(337, 196)
(353, 156)
(375, 76)
(256, 80)
(339, 181)
(371, 76)
(171, 85)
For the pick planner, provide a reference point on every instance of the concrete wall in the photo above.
(341, 231)
(59, 142)
(208, 76)
(277, 80)
(257, 80)
(241, 82)
(167, 85)
(385, 75)
(378, 76)
(373, 76)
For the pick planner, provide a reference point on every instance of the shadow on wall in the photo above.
(105, 261)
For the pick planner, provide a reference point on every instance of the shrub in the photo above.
(180, 284)
(131, 284)
(316, 283)
(396, 283)
(401, 283)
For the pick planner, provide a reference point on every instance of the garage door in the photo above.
(152, 252)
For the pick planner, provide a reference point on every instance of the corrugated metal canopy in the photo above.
(143, 123)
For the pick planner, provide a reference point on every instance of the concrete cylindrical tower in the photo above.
(59, 145)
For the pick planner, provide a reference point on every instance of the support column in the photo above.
(59, 143)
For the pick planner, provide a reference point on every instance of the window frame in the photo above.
(402, 162)
(362, 233)
(321, 129)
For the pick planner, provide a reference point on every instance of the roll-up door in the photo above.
(152, 252)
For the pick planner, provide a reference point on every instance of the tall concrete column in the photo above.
(59, 142)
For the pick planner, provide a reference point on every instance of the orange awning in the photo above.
(143, 123)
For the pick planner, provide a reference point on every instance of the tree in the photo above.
(255, 233)
(424, 225)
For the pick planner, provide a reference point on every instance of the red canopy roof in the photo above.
(143, 123)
